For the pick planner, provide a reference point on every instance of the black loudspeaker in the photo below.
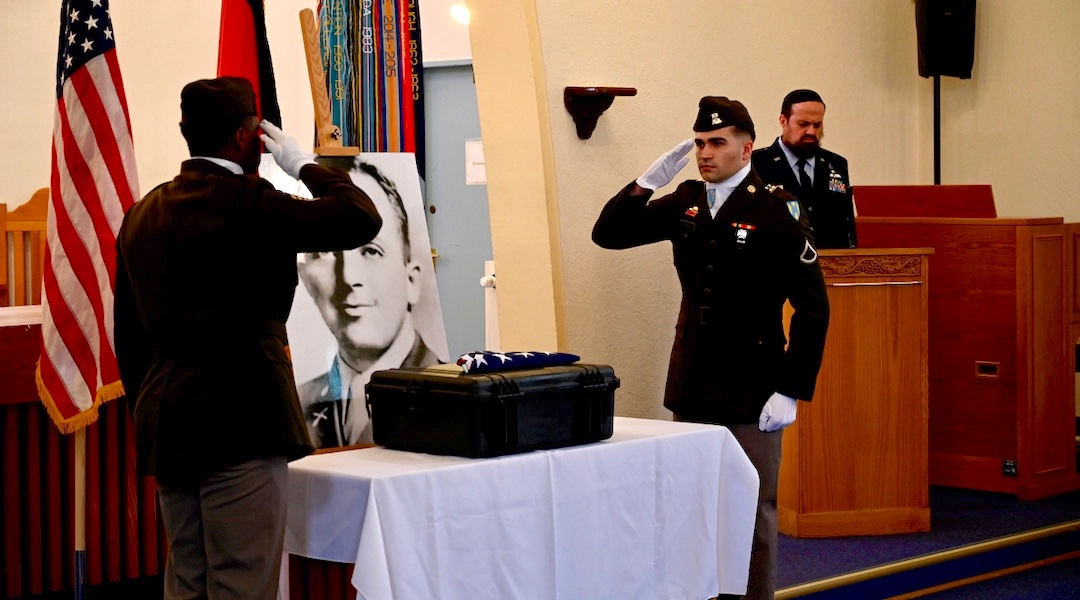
(946, 33)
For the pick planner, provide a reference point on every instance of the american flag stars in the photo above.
(87, 31)
(485, 362)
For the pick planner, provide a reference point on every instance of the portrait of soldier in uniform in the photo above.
(372, 308)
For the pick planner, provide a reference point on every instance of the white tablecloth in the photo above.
(661, 510)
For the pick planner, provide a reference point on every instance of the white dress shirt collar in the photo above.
(792, 159)
(723, 189)
(221, 162)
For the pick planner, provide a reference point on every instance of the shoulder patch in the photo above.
(793, 209)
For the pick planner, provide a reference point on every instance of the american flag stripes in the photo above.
(93, 183)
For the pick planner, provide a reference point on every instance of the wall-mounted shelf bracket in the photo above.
(586, 104)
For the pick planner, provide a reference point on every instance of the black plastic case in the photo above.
(440, 410)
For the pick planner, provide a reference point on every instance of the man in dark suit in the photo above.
(818, 178)
(366, 298)
(206, 271)
(740, 251)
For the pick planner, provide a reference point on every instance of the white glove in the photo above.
(779, 412)
(287, 153)
(666, 167)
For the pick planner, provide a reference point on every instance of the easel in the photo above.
(327, 134)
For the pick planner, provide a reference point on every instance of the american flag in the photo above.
(486, 361)
(93, 183)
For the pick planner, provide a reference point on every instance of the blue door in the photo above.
(457, 214)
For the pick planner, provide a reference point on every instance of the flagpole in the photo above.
(80, 514)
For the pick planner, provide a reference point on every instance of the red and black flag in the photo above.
(244, 52)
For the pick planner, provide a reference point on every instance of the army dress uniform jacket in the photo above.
(829, 205)
(206, 272)
(736, 270)
(324, 410)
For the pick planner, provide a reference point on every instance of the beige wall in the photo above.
(1007, 127)
(161, 46)
(1010, 126)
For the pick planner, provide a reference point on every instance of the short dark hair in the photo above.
(742, 131)
(798, 96)
(395, 201)
(208, 139)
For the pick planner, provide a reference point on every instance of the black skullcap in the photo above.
(716, 112)
(223, 101)
(797, 96)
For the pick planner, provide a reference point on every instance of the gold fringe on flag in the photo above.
(87, 417)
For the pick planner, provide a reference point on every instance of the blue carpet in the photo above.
(1058, 581)
(957, 518)
(958, 569)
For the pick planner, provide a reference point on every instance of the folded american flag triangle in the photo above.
(488, 362)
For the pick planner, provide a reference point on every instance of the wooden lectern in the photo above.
(854, 462)
(1004, 320)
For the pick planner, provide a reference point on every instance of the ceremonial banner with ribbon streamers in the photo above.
(367, 111)
(374, 73)
(337, 27)
(93, 183)
(416, 62)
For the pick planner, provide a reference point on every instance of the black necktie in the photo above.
(804, 179)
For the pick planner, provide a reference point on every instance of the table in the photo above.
(660, 510)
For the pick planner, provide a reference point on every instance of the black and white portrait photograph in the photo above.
(363, 310)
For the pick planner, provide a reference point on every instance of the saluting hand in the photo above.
(666, 167)
(287, 153)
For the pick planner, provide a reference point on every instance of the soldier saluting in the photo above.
(741, 249)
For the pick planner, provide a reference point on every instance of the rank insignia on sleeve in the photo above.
(793, 208)
(692, 211)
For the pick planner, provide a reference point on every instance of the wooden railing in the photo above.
(24, 250)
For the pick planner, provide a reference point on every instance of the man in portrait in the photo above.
(368, 298)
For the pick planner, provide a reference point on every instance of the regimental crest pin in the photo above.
(794, 209)
(692, 211)
(716, 120)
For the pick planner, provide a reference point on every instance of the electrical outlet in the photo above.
(1008, 468)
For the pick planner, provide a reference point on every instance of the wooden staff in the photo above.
(328, 135)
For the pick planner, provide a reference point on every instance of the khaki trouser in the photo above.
(763, 449)
(226, 536)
